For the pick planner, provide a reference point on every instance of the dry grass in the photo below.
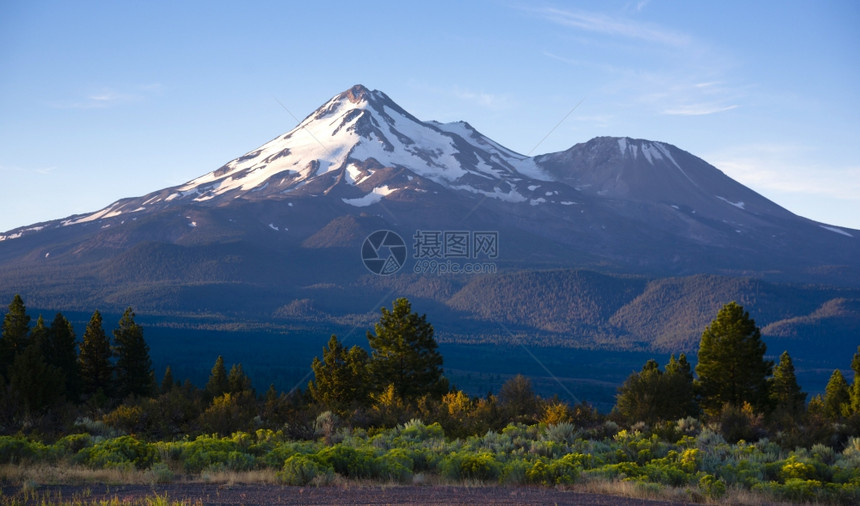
(260, 476)
(29, 477)
(50, 474)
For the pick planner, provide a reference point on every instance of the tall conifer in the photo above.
(732, 369)
(134, 372)
(95, 359)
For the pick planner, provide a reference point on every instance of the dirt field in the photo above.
(219, 494)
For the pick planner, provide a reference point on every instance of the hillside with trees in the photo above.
(734, 424)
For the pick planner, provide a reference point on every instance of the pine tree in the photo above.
(785, 393)
(62, 353)
(134, 374)
(837, 399)
(95, 359)
(167, 382)
(652, 395)
(217, 384)
(39, 334)
(13, 340)
(680, 395)
(340, 378)
(405, 354)
(518, 401)
(638, 397)
(238, 381)
(855, 387)
(732, 369)
(33, 382)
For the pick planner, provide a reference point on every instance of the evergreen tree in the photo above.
(637, 399)
(652, 395)
(405, 354)
(341, 378)
(95, 358)
(39, 334)
(134, 374)
(238, 381)
(732, 369)
(33, 382)
(167, 382)
(837, 398)
(855, 388)
(217, 384)
(680, 395)
(785, 393)
(518, 401)
(13, 340)
(62, 353)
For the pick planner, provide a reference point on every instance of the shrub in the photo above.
(73, 443)
(562, 432)
(712, 487)
(415, 431)
(564, 471)
(794, 469)
(15, 449)
(348, 462)
(302, 470)
(471, 466)
(124, 452)
(209, 452)
(395, 465)
(514, 472)
(794, 489)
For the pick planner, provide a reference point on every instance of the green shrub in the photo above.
(396, 465)
(302, 470)
(348, 462)
(712, 487)
(73, 443)
(793, 490)
(795, 469)
(564, 471)
(161, 473)
(514, 472)
(15, 449)
(276, 456)
(124, 452)
(209, 452)
(471, 466)
(666, 472)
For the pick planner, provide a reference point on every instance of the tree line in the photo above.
(43, 366)
(51, 383)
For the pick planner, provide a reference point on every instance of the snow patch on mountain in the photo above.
(739, 204)
(837, 230)
(371, 198)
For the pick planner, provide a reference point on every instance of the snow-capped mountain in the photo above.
(282, 225)
(340, 147)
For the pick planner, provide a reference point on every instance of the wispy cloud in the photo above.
(109, 97)
(789, 169)
(483, 99)
(615, 26)
(27, 170)
(697, 109)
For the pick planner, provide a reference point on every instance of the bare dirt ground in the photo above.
(256, 494)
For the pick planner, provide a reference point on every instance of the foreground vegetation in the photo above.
(740, 427)
(681, 460)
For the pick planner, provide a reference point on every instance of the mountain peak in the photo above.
(356, 94)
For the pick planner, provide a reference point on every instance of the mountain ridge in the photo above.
(278, 230)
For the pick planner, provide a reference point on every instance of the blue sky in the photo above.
(104, 100)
